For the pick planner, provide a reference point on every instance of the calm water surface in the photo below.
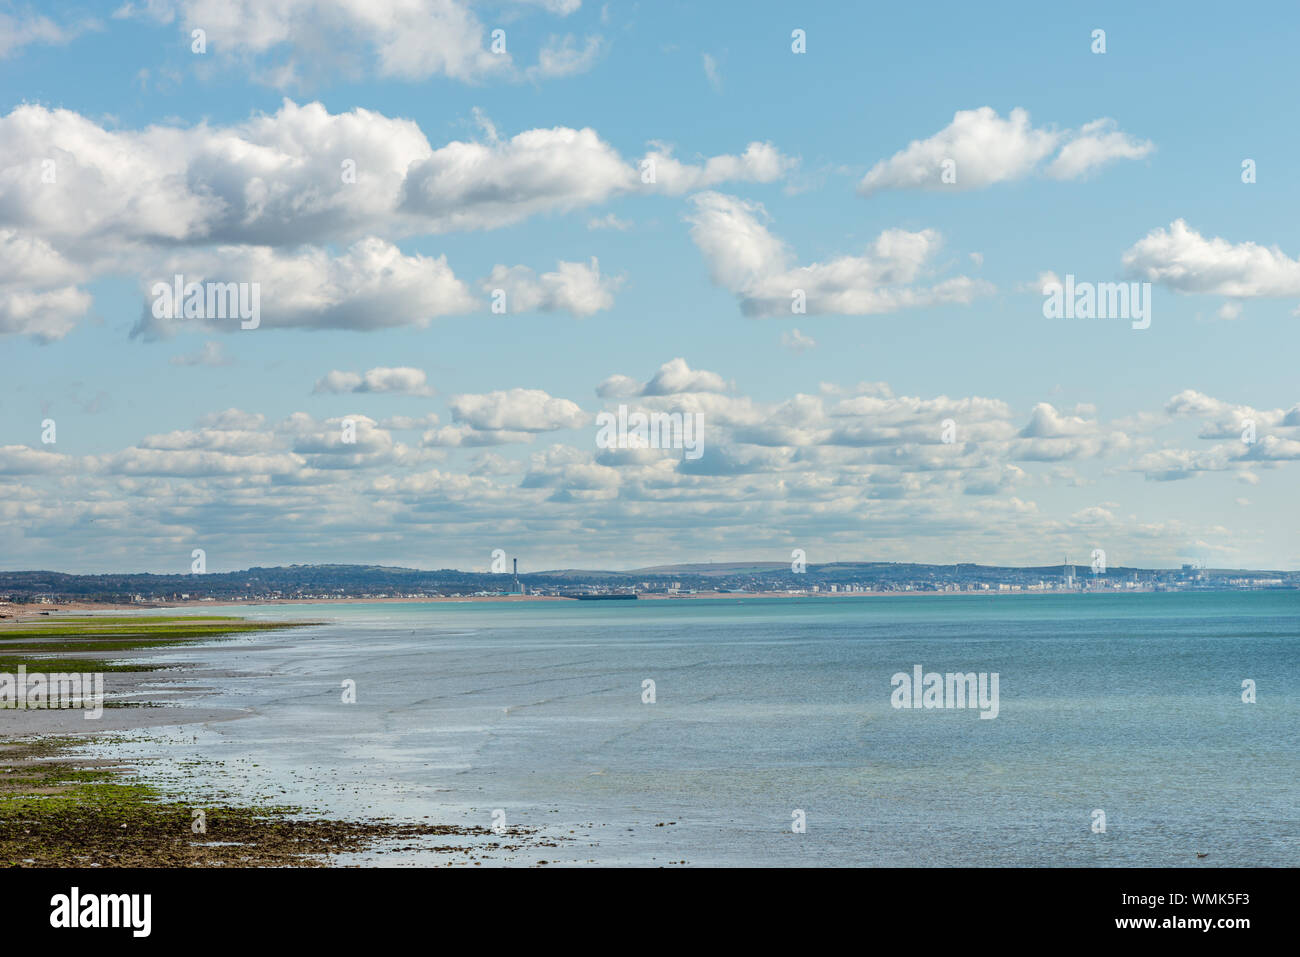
(1131, 704)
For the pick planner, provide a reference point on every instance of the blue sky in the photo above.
(1071, 434)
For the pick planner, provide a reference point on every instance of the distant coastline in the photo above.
(20, 612)
(722, 580)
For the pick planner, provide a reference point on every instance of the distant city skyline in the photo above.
(354, 582)
(822, 251)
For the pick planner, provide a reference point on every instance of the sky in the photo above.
(829, 233)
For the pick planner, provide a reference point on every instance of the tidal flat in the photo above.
(59, 809)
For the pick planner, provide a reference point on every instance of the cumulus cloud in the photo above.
(466, 436)
(394, 38)
(1226, 420)
(516, 410)
(302, 174)
(745, 258)
(879, 420)
(238, 447)
(38, 295)
(1172, 465)
(760, 163)
(20, 460)
(988, 149)
(1096, 144)
(570, 471)
(854, 461)
(673, 377)
(79, 201)
(236, 441)
(338, 442)
(1182, 259)
(371, 285)
(197, 463)
(389, 38)
(32, 261)
(400, 380)
(470, 185)
(1054, 436)
(575, 288)
(44, 315)
(1045, 422)
(298, 175)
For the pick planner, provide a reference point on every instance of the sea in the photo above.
(1151, 729)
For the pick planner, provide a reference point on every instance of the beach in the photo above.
(59, 807)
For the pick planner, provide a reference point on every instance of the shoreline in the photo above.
(11, 612)
(59, 808)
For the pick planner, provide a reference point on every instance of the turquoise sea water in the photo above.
(1128, 704)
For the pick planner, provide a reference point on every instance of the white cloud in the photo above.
(372, 285)
(32, 261)
(797, 342)
(747, 259)
(517, 410)
(20, 460)
(323, 442)
(608, 221)
(234, 441)
(760, 163)
(1096, 144)
(408, 422)
(559, 7)
(400, 380)
(44, 315)
(1224, 420)
(458, 436)
(27, 29)
(255, 202)
(988, 149)
(853, 463)
(198, 463)
(1171, 465)
(486, 185)
(283, 178)
(576, 288)
(276, 179)
(1042, 285)
(562, 56)
(1045, 422)
(400, 39)
(673, 377)
(1182, 259)
(37, 297)
(676, 376)
(397, 38)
